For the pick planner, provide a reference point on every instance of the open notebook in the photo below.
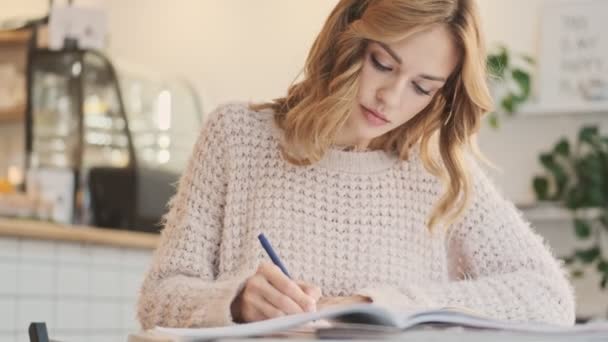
(368, 320)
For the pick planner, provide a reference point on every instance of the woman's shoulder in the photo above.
(237, 115)
(243, 128)
(237, 119)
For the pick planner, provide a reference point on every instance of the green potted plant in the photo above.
(576, 178)
(510, 79)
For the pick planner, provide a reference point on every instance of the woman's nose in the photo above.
(391, 94)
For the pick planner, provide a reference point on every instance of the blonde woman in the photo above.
(364, 178)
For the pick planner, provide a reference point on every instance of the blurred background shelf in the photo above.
(15, 37)
(13, 114)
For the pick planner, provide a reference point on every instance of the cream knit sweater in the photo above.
(353, 223)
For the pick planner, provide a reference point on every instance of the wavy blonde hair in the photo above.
(316, 107)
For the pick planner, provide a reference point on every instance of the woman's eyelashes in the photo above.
(421, 90)
(383, 68)
(379, 66)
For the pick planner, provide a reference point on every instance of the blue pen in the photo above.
(273, 256)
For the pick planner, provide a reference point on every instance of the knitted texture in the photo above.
(352, 223)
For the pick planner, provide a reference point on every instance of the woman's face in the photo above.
(398, 81)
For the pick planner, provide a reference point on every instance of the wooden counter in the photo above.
(38, 230)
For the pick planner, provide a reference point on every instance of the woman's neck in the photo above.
(351, 143)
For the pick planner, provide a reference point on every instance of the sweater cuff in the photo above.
(220, 303)
(400, 300)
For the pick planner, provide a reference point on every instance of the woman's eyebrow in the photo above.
(400, 61)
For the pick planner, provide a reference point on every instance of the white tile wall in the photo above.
(8, 270)
(8, 337)
(71, 253)
(72, 280)
(105, 315)
(131, 280)
(35, 310)
(35, 250)
(9, 248)
(129, 319)
(105, 282)
(7, 315)
(72, 314)
(36, 278)
(83, 292)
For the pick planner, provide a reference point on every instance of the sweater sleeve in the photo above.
(504, 270)
(183, 287)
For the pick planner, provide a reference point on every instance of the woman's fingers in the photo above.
(270, 293)
(287, 286)
(274, 297)
(311, 290)
(264, 309)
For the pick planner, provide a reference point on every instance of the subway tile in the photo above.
(104, 315)
(9, 337)
(72, 280)
(72, 314)
(131, 283)
(38, 250)
(105, 255)
(101, 337)
(34, 310)
(137, 258)
(22, 336)
(36, 279)
(71, 253)
(73, 337)
(113, 337)
(7, 315)
(129, 316)
(8, 273)
(9, 248)
(105, 283)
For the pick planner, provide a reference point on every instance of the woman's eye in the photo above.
(379, 65)
(421, 90)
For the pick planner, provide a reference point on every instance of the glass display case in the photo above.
(124, 136)
(164, 116)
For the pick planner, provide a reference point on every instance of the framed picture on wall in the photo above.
(573, 56)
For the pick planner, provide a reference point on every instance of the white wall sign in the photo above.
(573, 63)
(86, 25)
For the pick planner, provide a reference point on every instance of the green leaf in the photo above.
(541, 188)
(493, 120)
(569, 260)
(595, 197)
(588, 256)
(522, 79)
(602, 266)
(575, 198)
(577, 273)
(562, 148)
(498, 62)
(604, 219)
(587, 134)
(547, 160)
(557, 171)
(508, 103)
(604, 282)
(582, 228)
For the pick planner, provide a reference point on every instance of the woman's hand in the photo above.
(269, 293)
(326, 302)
